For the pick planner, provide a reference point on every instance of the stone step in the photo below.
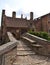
(22, 64)
(26, 48)
(23, 53)
(22, 46)
(37, 45)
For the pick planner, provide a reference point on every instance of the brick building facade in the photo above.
(43, 23)
(15, 25)
(18, 26)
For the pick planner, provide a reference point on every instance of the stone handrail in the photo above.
(11, 38)
(38, 39)
(8, 51)
(45, 50)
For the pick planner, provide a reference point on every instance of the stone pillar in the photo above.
(21, 16)
(3, 12)
(31, 15)
(2, 59)
(14, 14)
(3, 26)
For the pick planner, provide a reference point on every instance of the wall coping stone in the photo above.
(7, 47)
(10, 45)
(39, 38)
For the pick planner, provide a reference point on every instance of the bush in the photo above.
(44, 35)
(40, 34)
(49, 38)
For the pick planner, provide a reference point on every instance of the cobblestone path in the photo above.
(25, 56)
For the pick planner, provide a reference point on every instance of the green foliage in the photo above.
(40, 34)
(49, 38)
(44, 35)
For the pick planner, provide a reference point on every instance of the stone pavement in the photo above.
(25, 56)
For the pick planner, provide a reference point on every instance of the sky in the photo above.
(39, 7)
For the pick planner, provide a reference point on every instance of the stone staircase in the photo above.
(23, 53)
(33, 44)
(23, 49)
(25, 56)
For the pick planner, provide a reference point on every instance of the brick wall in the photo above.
(37, 24)
(45, 23)
(42, 23)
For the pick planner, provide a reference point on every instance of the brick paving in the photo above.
(25, 56)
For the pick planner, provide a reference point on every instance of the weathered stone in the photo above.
(8, 51)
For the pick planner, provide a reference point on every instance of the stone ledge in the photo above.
(7, 47)
(45, 50)
(8, 51)
(38, 38)
(10, 45)
(11, 38)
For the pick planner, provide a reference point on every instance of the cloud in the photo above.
(8, 9)
(39, 7)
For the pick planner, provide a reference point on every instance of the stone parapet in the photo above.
(8, 51)
(45, 50)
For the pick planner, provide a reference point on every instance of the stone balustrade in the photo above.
(8, 51)
(45, 50)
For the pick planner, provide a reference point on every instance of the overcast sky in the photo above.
(39, 7)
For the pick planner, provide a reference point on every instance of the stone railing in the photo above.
(45, 50)
(8, 51)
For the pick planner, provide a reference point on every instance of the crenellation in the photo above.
(3, 12)
(14, 14)
(31, 15)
